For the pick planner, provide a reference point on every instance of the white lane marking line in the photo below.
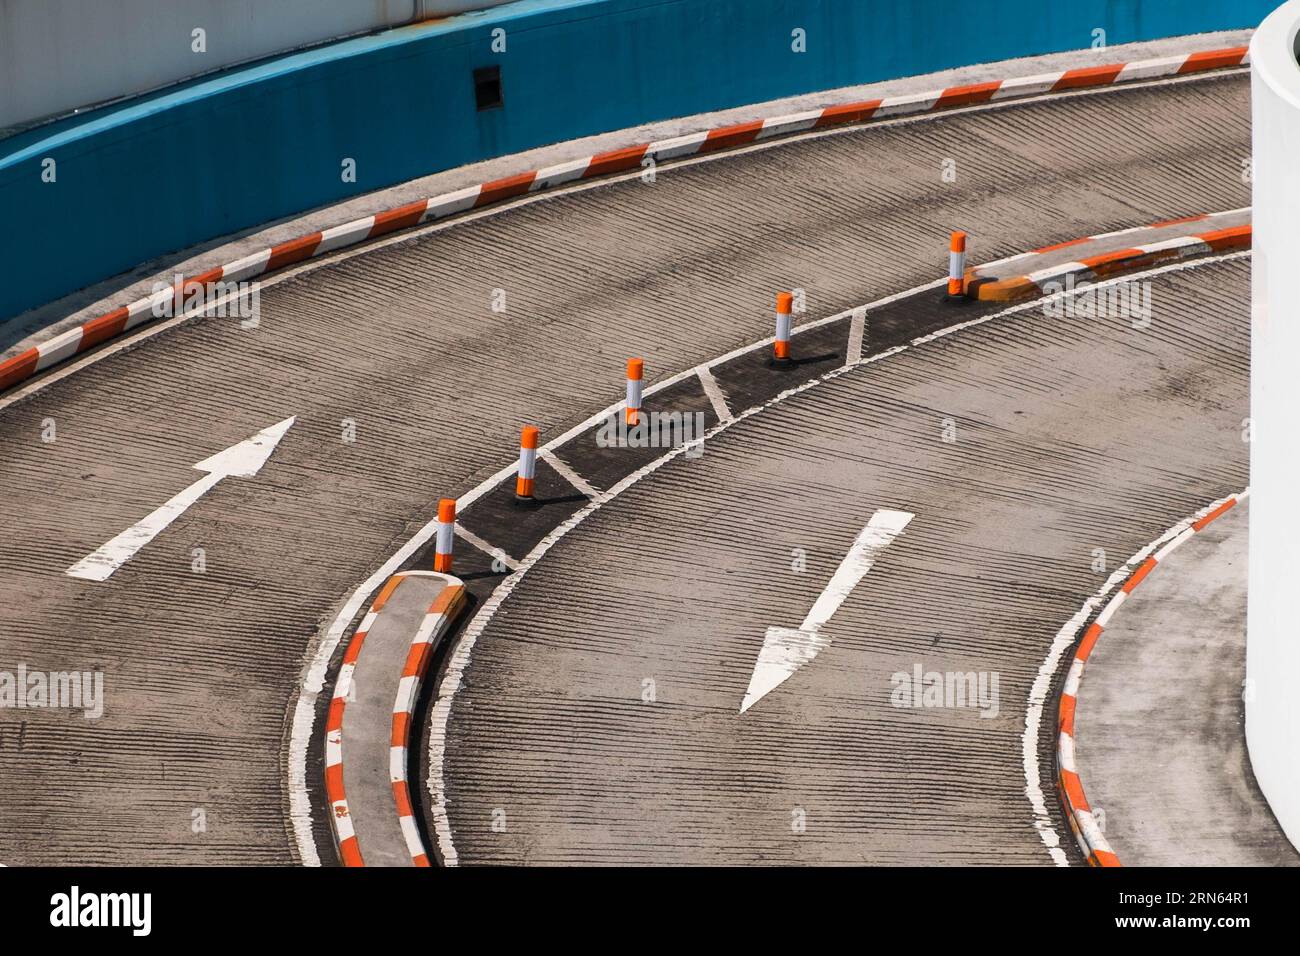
(568, 474)
(239, 461)
(714, 391)
(785, 649)
(492, 551)
(463, 650)
(857, 329)
(1164, 552)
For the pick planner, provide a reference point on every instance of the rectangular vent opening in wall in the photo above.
(487, 88)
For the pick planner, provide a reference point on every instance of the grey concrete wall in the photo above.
(58, 57)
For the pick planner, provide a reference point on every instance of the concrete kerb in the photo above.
(370, 797)
(1031, 274)
(1083, 822)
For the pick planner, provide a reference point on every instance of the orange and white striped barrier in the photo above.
(335, 792)
(527, 463)
(781, 346)
(1077, 810)
(1036, 282)
(635, 372)
(957, 265)
(446, 535)
(435, 623)
(414, 663)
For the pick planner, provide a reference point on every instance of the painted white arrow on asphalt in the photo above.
(238, 461)
(787, 649)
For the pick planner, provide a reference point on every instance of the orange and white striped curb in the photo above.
(441, 613)
(432, 627)
(1037, 282)
(335, 792)
(1080, 815)
(86, 336)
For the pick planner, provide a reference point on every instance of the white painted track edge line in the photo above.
(857, 333)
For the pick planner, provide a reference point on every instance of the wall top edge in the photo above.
(456, 29)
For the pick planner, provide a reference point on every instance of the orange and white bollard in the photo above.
(527, 464)
(957, 266)
(781, 347)
(635, 371)
(446, 535)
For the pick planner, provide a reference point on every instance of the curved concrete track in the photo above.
(202, 668)
(1069, 435)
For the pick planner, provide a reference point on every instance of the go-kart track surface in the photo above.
(202, 669)
(1019, 446)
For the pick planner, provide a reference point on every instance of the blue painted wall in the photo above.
(252, 145)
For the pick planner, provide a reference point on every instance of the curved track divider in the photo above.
(1091, 268)
(403, 629)
(442, 612)
(75, 341)
(335, 791)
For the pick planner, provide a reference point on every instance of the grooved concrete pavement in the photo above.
(201, 668)
(1071, 434)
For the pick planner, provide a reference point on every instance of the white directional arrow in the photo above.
(239, 461)
(786, 649)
